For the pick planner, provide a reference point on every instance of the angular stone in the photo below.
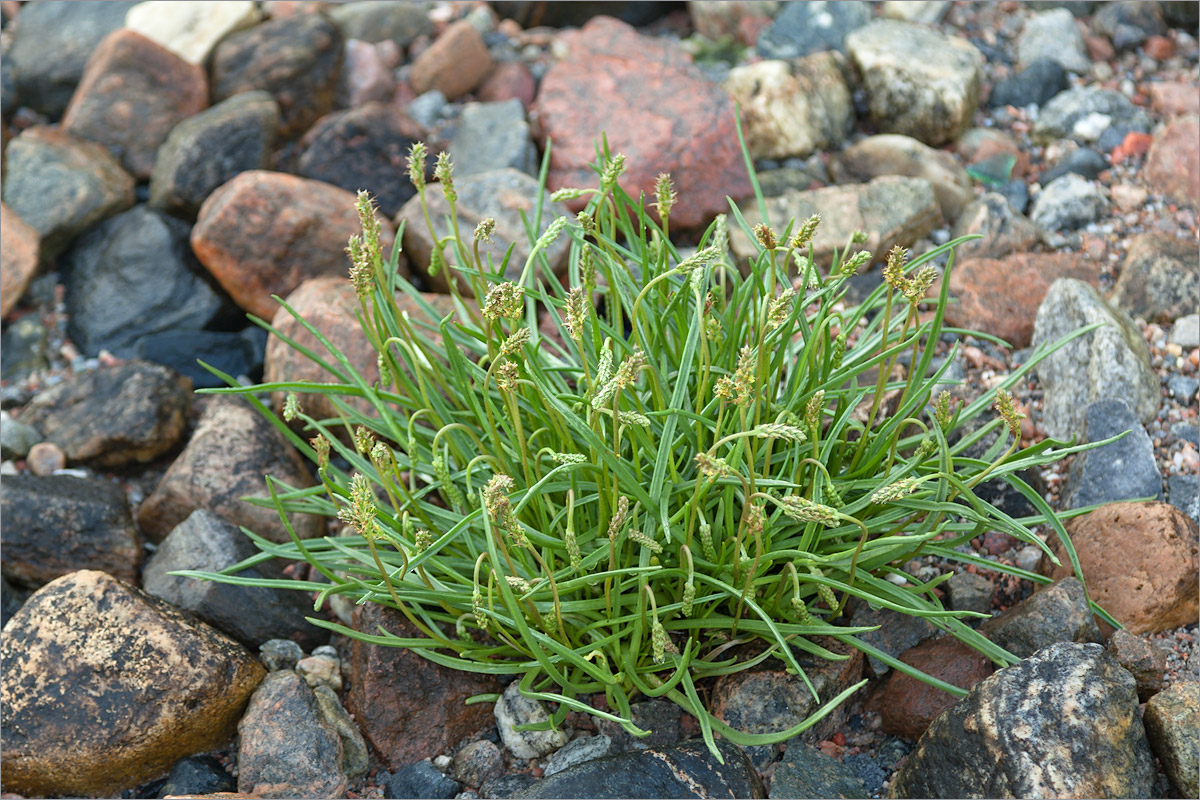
(61, 185)
(211, 148)
(577, 751)
(1111, 361)
(1058, 613)
(792, 108)
(18, 258)
(133, 92)
(231, 450)
(909, 705)
(421, 780)
(1159, 281)
(59, 524)
(1123, 470)
(1172, 98)
(191, 30)
(366, 76)
(264, 233)
(106, 687)
(1140, 562)
(1173, 163)
(197, 775)
(1170, 722)
(355, 758)
(493, 136)
(1004, 230)
(919, 82)
(804, 28)
(514, 709)
(480, 761)
(1129, 24)
(1077, 112)
(400, 21)
(1146, 661)
(1053, 34)
(454, 64)
(297, 59)
(1068, 203)
(806, 772)
(969, 591)
(893, 154)
(1036, 83)
(610, 72)
(1062, 723)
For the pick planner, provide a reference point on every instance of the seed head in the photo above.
(805, 510)
(612, 170)
(587, 269)
(712, 467)
(645, 541)
(586, 222)
(664, 194)
(915, 287)
(894, 491)
(1008, 412)
(291, 407)
(628, 371)
(443, 170)
(852, 264)
(450, 490)
(437, 261)
(780, 308)
(360, 513)
(422, 540)
(943, 411)
(416, 165)
(515, 343)
(839, 350)
(813, 409)
(802, 238)
(321, 445)
(517, 583)
(563, 195)
(618, 518)
(801, 608)
(893, 268)
(706, 541)
(364, 439)
(632, 418)
(569, 458)
(743, 377)
(505, 300)
(551, 233)
(507, 375)
(823, 591)
(360, 267)
(698, 260)
(689, 597)
(483, 231)
(481, 619)
(778, 430)
(577, 309)
(766, 237)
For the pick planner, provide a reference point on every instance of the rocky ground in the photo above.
(170, 166)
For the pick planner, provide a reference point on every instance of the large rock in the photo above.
(1145, 660)
(1057, 613)
(191, 30)
(893, 154)
(1128, 24)
(792, 108)
(454, 64)
(106, 687)
(231, 450)
(132, 94)
(804, 28)
(909, 705)
(18, 258)
(265, 233)
(1159, 281)
(1004, 230)
(1084, 112)
(1171, 728)
(1173, 163)
(1062, 723)
(1111, 361)
(805, 772)
(612, 73)
(493, 136)
(1053, 34)
(59, 524)
(1140, 562)
(714, 19)
(1123, 470)
(919, 82)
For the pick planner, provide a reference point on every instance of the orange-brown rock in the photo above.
(1173, 163)
(909, 705)
(454, 64)
(18, 258)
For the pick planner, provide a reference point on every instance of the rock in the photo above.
(1182, 387)
(56, 525)
(1062, 723)
(1173, 163)
(577, 751)
(211, 148)
(1053, 35)
(1110, 362)
(46, 459)
(1039, 81)
(355, 758)
(80, 660)
(454, 64)
(659, 717)
(1084, 112)
(610, 72)
(805, 772)
(429, 110)
(1139, 561)
(1142, 658)
(1170, 722)
(1186, 331)
(893, 154)
(61, 185)
(406, 705)
(133, 92)
(68, 30)
(321, 670)
(929, 12)
(231, 450)
(1159, 281)
(1123, 470)
(969, 591)
(18, 258)
(514, 708)
(501, 194)
(1129, 24)
(287, 749)
(421, 779)
(362, 148)
(190, 30)
(1059, 613)
(897, 632)
(1068, 203)
(509, 79)
(366, 76)
(493, 136)
(24, 346)
(1082, 161)
(506, 785)
(687, 769)
(1179, 13)
(1184, 493)
(801, 29)
(197, 775)
(479, 762)
(918, 82)
(134, 275)
(297, 59)
(237, 353)
(113, 416)
(11, 600)
(531, 13)
(16, 438)
(399, 21)
(251, 614)
(714, 19)
(277, 654)
(264, 233)
(1172, 98)
(891, 210)
(909, 706)
(792, 108)
(1003, 228)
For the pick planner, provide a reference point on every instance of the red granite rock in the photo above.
(655, 107)
(508, 80)
(1171, 98)
(264, 233)
(454, 64)
(18, 258)
(133, 92)
(1173, 163)
(909, 705)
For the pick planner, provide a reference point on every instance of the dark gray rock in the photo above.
(252, 615)
(210, 148)
(897, 632)
(577, 751)
(24, 347)
(493, 135)
(11, 600)
(506, 785)
(1183, 492)
(660, 717)
(51, 44)
(1181, 13)
(8, 83)
(1079, 114)
(805, 772)
(1127, 24)
(1159, 281)
(867, 770)
(235, 353)
(277, 654)
(1083, 161)
(197, 775)
(1062, 723)
(1034, 85)
(687, 769)
(1188, 431)
(970, 592)
(133, 275)
(1123, 470)
(804, 28)
(1057, 614)
(401, 21)
(1183, 387)
(421, 779)
(1068, 203)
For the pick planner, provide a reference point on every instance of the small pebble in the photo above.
(45, 458)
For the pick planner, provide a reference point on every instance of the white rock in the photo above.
(513, 709)
(1053, 34)
(929, 12)
(191, 30)
(1186, 331)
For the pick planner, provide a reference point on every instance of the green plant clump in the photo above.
(607, 481)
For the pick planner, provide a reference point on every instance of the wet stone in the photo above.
(1059, 613)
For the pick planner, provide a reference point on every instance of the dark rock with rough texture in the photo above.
(112, 416)
(1173, 163)
(231, 450)
(803, 28)
(1123, 470)
(1183, 492)
(477, 763)
(805, 772)
(1159, 281)
(197, 775)
(69, 31)
(58, 524)
(1062, 723)
(211, 148)
(287, 749)
(506, 785)
(1059, 613)
(1068, 203)
(236, 353)
(421, 779)
(1170, 722)
(133, 92)
(893, 154)
(400, 21)
(1033, 85)
(250, 614)
(11, 600)
(24, 348)
(1072, 114)
(1082, 161)
(1128, 24)
(687, 769)
(897, 632)
(106, 687)
(611, 72)
(969, 591)
(909, 705)
(1146, 661)
(577, 751)
(18, 258)
(134, 275)
(531, 13)
(454, 64)
(62, 185)
(492, 136)
(659, 717)
(296, 58)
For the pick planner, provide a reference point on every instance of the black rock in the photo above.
(1182, 387)
(660, 717)
(804, 28)
(133, 275)
(1035, 84)
(1084, 161)
(1122, 470)
(491, 136)
(421, 779)
(867, 770)
(1059, 613)
(1183, 14)
(197, 775)
(506, 785)
(998, 492)
(1183, 491)
(24, 348)
(235, 353)
(1128, 23)
(805, 772)
(11, 600)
